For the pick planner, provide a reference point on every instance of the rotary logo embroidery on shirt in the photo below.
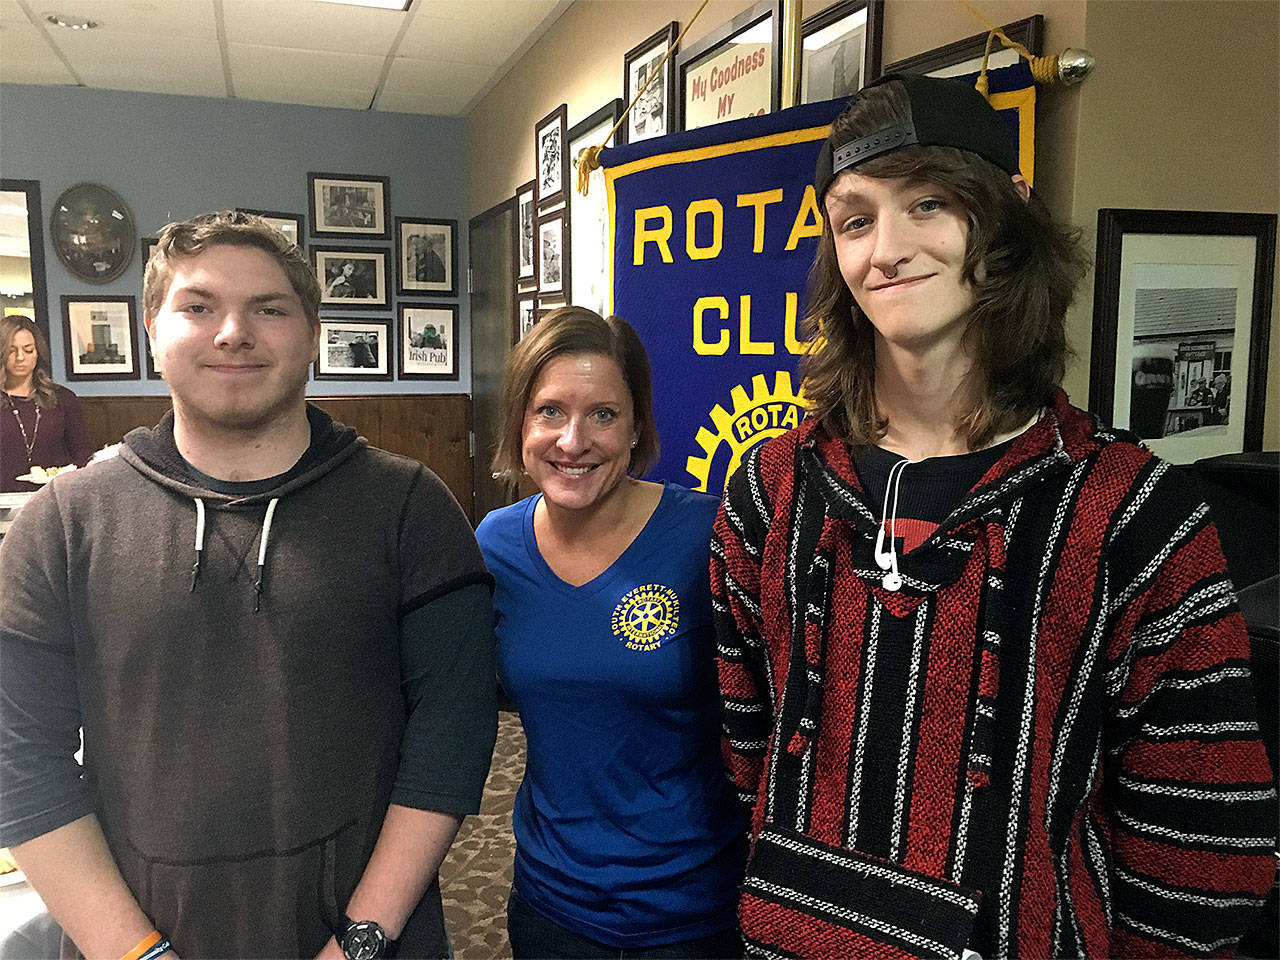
(646, 617)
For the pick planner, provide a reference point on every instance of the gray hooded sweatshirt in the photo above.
(257, 676)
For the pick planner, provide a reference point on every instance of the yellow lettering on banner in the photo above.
(700, 345)
(759, 201)
(660, 235)
(746, 345)
(808, 221)
(794, 344)
(711, 206)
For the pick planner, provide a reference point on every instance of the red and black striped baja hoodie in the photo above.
(1043, 745)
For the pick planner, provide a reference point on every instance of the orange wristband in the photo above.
(145, 944)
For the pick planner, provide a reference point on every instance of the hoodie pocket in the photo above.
(804, 898)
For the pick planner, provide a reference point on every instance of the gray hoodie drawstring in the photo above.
(195, 567)
(262, 551)
(262, 548)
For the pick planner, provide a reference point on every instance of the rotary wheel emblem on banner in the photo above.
(647, 616)
(754, 419)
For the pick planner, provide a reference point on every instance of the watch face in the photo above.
(364, 941)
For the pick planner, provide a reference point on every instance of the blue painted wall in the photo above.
(171, 157)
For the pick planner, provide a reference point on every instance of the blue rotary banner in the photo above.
(713, 233)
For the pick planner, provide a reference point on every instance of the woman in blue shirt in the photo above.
(629, 838)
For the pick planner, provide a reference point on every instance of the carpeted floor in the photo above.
(476, 876)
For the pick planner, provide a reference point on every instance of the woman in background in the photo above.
(41, 424)
(628, 835)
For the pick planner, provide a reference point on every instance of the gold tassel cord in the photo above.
(590, 159)
(1044, 70)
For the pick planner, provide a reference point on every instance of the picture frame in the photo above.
(551, 157)
(753, 37)
(426, 257)
(652, 115)
(840, 49)
(23, 227)
(148, 246)
(92, 233)
(588, 234)
(100, 336)
(965, 56)
(553, 257)
(525, 247)
(428, 334)
(348, 205)
(526, 315)
(1182, 318)
(292, 225)
(354, 349)
(352, 278)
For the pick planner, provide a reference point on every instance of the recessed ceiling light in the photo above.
(380, 4)
(71, 23)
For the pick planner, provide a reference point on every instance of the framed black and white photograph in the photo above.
(428, 341)
(290, 224)
(524, 244)
(92, 232)
(550, 156)
(840, 49)
(651, 116)
(1181, 328)
(735, 71)
(149, 245)
(352, 278)
(354, 350)
(526, 315)
(965, 56)
(553, 256)
(426, 257)
(346, 205)
(592, 266)
(99, 336)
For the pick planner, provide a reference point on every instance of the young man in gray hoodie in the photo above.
(276, 639)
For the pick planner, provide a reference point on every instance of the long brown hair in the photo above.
(1022, 267)
(571, 331)
(43, 390)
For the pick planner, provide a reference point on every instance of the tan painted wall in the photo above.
(1164, 121)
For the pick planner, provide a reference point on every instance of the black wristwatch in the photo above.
(363, 940)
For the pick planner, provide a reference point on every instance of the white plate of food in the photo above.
(42, 475)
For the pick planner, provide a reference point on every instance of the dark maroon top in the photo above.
(60, 438)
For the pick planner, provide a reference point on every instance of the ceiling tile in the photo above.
(258, 88)
(477, 31)
(26, 57)
(282, 67)
(438, 104)
(10, 12)
(157, 18)
(312, 26)
(144, 63)
(428, 76)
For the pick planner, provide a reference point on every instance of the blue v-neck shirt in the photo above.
(627, 830)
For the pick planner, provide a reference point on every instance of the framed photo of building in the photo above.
(592, 267)
(553, 257)
(428, 341)
(352, 278)
(426, 257)
(526, 315)
(551, 157)
(354, 350)
(292, 225)
(1181, 328)
(651, 116)
(524, 241)
(346, 205)
(99, 336)
(733, 72)
(840, 49)
(965, 56)
(92, 232)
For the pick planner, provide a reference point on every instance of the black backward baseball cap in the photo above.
(944, 113)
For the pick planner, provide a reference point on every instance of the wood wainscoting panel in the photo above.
(432, 428)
